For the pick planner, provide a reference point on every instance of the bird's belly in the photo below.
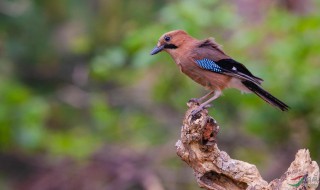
(208, 79)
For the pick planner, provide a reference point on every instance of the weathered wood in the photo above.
(214, 169)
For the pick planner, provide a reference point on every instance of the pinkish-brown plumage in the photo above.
(206, 63)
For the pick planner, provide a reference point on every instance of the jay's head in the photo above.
(171, 41)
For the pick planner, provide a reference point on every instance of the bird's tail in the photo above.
(265, 95)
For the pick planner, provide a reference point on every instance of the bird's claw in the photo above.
(195, 111)
(195, 100)
(198, 109)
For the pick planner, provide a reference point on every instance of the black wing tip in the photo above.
(234, 67)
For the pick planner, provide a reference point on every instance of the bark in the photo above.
(214, 169)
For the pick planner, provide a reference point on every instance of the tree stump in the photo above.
(215, 170)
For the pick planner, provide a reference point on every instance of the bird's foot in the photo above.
(195, 100)
(200, 108)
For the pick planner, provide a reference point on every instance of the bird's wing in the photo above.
(208, 55)
(228, 67)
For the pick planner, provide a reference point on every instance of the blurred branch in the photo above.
(214, 169)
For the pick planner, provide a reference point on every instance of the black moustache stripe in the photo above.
(170, 46)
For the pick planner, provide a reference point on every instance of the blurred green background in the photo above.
(84, 106)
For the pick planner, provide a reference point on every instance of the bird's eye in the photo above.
(167, 38)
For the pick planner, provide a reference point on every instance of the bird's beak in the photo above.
(157, 50)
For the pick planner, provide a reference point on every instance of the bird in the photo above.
(207, 64)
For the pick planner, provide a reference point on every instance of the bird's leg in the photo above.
(200, 100)
(203, 105)
(205, 96)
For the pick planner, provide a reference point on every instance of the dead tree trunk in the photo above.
(215, 170)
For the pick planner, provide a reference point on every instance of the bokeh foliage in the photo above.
(76, 75)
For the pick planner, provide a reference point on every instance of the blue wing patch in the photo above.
(209, 65)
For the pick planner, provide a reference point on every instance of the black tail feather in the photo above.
(265, 95)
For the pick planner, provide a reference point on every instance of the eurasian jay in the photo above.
(205, 63)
